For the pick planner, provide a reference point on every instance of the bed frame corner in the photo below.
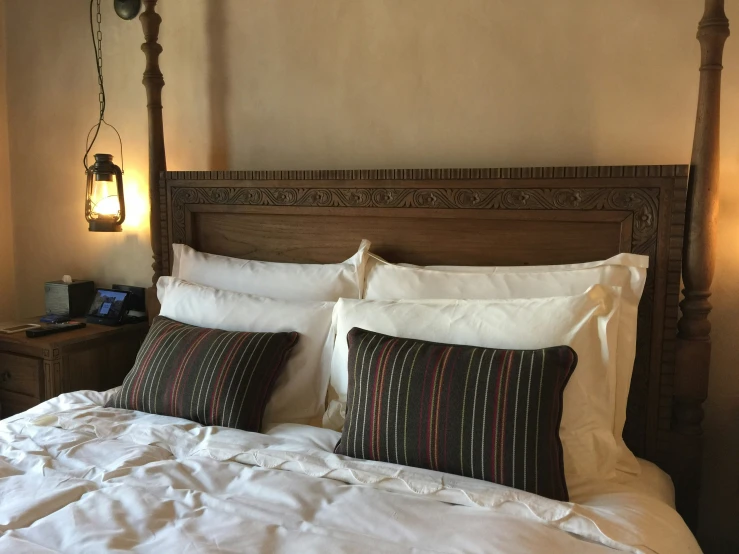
(693, 355)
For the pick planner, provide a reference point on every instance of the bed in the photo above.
(83, 477)
(94, 483)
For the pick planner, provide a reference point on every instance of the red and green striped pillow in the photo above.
(209, 376)
(490, 414)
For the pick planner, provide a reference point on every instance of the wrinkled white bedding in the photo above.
(75, 477)
(650, 480)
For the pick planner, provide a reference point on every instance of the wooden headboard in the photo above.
(462, 217)
(493, 217)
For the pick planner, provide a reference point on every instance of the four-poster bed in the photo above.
(495, 401)
(666, 212)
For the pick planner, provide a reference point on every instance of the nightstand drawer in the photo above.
(36, 369)
(21, 375)
(13, 403)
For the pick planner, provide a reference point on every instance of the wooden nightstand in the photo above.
(94, 358)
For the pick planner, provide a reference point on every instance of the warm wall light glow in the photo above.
(137, 202)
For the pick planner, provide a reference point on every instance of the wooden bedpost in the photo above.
(694, 328)
(153, 82)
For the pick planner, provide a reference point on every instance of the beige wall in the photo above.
(7, 267)
(369, 83)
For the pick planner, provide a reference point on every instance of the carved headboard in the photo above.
(464, 217)
(493, 216)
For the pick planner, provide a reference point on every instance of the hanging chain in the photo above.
(97, 43)
(99, 60)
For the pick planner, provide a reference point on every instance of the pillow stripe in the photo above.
(495, 461)
(210, 376)
(222, 372)
(485, 411)
(267, 384)
(183, 366)
(538, 419)
(526, 424)
(490, 414)
(153, 352)
(174, 342)
(248, 383)
(248, 350)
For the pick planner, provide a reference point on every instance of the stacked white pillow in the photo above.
(591, 307)
(628, 271)
(298, 396)
(232, 294)
(275, 280)
(604, 395)
(587, 322)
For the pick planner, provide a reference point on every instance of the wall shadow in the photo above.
(218, 85)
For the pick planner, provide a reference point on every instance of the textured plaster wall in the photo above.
(7, 261)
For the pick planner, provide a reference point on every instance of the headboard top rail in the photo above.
(441, 174)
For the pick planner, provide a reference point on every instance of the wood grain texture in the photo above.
(154, 82)
(415, 238)
(694, 341)
(21, 374)
(13, 403)
(513, 216)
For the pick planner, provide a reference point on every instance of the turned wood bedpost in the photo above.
(154, 82)
(694, 328)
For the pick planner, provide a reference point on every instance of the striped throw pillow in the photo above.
(209, 376)
(478, 412)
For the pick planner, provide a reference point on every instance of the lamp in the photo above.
(105, 207)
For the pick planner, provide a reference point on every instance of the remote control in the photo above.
(54, 328)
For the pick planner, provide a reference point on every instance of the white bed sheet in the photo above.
(650, 480)
(76, 477)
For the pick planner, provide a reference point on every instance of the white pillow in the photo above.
(586, 322)
(630, 260)
(275, 280)
(300, 392)
(628, 271)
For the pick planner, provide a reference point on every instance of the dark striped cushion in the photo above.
(206, 375)
(479, 412)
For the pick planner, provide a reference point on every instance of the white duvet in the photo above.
(75, 477)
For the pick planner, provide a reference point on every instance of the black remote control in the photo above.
(54, 328)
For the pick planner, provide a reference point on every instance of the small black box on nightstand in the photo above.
(71, 299)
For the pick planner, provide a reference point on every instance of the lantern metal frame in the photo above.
(104, 223)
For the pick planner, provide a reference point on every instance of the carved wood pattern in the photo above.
(154, 82)
(641, 202)
(582, 172)
(185, 189)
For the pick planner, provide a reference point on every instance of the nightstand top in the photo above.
(94, 358)
(68, 338)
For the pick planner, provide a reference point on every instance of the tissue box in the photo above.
(70, 299)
